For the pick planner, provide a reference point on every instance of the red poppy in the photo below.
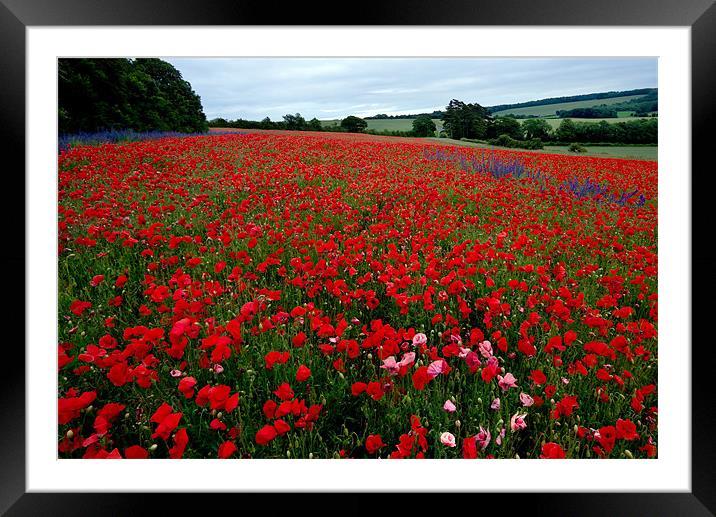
(551, 450)
(373, 443)
(226, 449)
(266, 434)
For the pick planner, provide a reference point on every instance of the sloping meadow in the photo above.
(345, 296)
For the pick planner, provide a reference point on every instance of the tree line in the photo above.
(422, 125)
(128, 94)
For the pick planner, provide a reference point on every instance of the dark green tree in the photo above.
(536, 128)
(315, 125)
(424, 126)
(505, 126)
(139, 94)
(567, 131)
(295, 122)
(462, 120)
(353, 124)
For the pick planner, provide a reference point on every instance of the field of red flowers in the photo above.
(344, 296)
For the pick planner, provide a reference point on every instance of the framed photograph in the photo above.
(274, 258)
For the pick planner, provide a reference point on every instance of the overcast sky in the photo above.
(254, 88)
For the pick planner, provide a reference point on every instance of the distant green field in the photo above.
(555, 122)
(551, 109)
(395, 124)
(630, 152)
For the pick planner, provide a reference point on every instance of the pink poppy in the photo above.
(472, 360)
(485, 349)
(495, 404)
(436, 368)
(447, 439)
(408, 359)
(449, 406)
(506, 382)
(517, 422)
(420, 339)
(483, 438)
(526, 400)
(391, 365)
(500, 437)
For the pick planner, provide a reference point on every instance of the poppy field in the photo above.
(306, 295)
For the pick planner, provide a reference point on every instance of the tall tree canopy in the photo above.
(463, 120)
(139, 94)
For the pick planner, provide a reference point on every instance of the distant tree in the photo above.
(506, 126)
(424, 126)
(536, 128)
(462, 120)
(315, 125)
(266, 123)
(567, 131)
(353, 124)
(295, 122)
(219, 122)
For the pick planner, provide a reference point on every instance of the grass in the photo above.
(650, 153)
(551, 109)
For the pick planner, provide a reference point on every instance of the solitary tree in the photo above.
(463, 120)
(424, 126)
(314, 125)
(567, 131)
(506, 126)
(353, 124)
(536, 128)
(295, 122)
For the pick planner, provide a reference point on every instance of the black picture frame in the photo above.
(700, 15)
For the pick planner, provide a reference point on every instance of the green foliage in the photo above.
(639, 131)
(577, 148)
(463, 120)
(505, 126)
(424, 126)
(354, 124)
(507, 141)
(140, 94)
(295, 122)
(536, 128)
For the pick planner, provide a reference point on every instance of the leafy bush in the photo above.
(577, 148)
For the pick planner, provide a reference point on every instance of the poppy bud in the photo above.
(70, 434)
(323, 400)
(457, 423)
(219, 415)
(310, 455)
(340, 374)
(126, 416)
(517, 456)
(576, 428)
(288, 454)
(628, 454)
(452, 399)
(153, 447)
(479, 400)
(370, 356)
